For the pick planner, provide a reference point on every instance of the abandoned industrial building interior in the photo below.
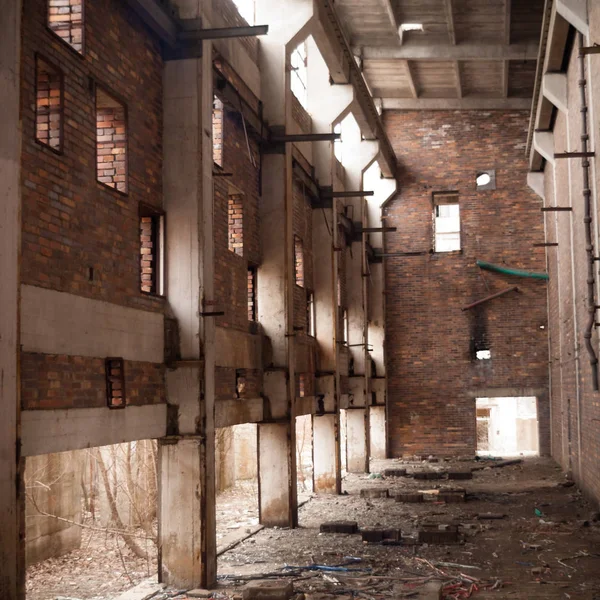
(299, 298)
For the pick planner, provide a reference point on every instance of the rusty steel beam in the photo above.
(488, 298)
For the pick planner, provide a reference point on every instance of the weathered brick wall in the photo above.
(62, 381)
(237, 383)
(228, 11)
(80, 236)
(71, 222)
(301, 116)
(433, 376)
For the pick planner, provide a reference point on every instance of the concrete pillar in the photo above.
(187, 519)
(12, 572)
(277, 495)
(326, 454)
(377, 432)
(357, 440)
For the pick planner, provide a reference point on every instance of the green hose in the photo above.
(507, 271)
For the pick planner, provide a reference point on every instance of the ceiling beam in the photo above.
(450, 21)
(158, 18)
(468, 103)
(459, 90)
(441, 52)
(505, 73)
(411, 80)
(507, 9)
(387, 5)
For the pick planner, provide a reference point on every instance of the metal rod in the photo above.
(220, 33)
(306, 137)
(218, 174)
(376, 229)
(557, 209)
(394, 254)
(219, 313)
(583, 154)
(589, 50)
(488, 298)
(327, 194)
(589, 246)
(545, 245)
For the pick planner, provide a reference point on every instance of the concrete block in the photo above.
(409, 497)
(372, 535)
(374, 493)
(392, 535)
(394, 473)
(452, 497)
(268, 590)
(433, 533)
(460, 475)
(198, 593)
(428, 475)
(340, 527)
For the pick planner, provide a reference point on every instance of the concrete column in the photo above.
(187, 519)
(12, 572)
(277, 495)
(357, 440)
(377, 432)
(326, 454)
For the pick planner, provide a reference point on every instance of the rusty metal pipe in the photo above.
(488, 298)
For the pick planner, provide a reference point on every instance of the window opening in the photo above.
(345, 326)
(299, 260)
(337, 144)
(486, 180)
(235, 219)
(299, 74)
(48, 104)
(252, 313)
(115, 382)
(301, 385)
(483, 354)
(446, 222)
(310, 313)
(152, 249)
(111, 141)
(247, 10)
(65, 19)
(217, 131)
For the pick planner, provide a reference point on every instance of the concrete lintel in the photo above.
(420, 51)
(554, 87)
(49, 431)
(238, 411)
(576, 13)
(536, 182)
(543, 143)
(510, 392)
(468, 103)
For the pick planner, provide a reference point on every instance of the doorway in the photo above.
(507, 426)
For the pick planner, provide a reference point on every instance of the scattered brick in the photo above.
(374, 493)
(460, 475)
(452, 497)
(268, 590)
(394, 473)
(340, 527)
(428, 475)
(433, 533)
(409, 497)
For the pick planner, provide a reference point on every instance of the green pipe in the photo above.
(507, 271)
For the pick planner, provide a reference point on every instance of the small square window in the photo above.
(152, 250)
(483, 354)
(485, 180)
(111, 141)
(65, 19)
(446, 222)
(48, 104)
(299, 260)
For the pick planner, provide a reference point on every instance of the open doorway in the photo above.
(507, 427)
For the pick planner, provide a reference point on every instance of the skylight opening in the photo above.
(409, 27)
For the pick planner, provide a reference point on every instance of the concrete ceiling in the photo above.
(471, 54)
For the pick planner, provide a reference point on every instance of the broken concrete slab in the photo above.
(374, 493)
(268, 590)
(349, 527)
(404, 497)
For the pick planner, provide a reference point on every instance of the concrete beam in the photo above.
(554, 88)
(437, 52)
(49, 431)
(60, 323)
(12, 567)
(543, 143)
(468, 103)
(536, 182)
(576, 13)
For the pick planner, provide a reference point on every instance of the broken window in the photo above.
(446, 222)
(111, 141)
(217, 131)
(152, 248)
(65, 19)
(486, 180)
(252, 313)
(310, 313)
(48, 104)
(115, 382)
(299, 260)
(299, 74)
(235, 219)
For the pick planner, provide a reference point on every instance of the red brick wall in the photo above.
(237, 383)
(61, 381)
(71, 222)
(433, 377)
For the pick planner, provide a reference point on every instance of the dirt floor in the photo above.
(547, 546)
